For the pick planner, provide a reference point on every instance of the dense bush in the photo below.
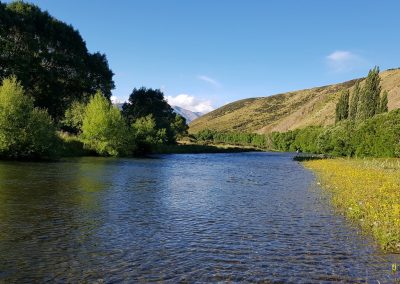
(104, 129)
(378, 136)
(234, 138)
(143, 102)
(26, 132)
(146, 135)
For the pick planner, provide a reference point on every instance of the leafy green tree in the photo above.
(179, 126)
(370, 94)
(50, 58)
(104, 129)
(355, 98)
(143, 102)
(342, 107)
(383, 104)
(74, 116)
(26, 132)
(146, 135)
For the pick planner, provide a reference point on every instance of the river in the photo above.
(244, 217)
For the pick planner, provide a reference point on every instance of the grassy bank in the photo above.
(367, 192)
(72, 146)
(185, 148)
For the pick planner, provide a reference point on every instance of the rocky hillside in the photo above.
(289, 111)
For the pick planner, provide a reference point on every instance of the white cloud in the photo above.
(344, 61)
(115, 100)
(190, 103)
(209, 80)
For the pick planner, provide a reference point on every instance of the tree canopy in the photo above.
(50, 58)
(365, 102)
(342, 107)
(369, 101)
(25, 131)
(143, 102)
(103, 128)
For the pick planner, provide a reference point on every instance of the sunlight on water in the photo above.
(195, 218)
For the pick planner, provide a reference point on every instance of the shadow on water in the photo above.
(177, 218)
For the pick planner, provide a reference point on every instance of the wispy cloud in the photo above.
(190, 103)
(344, 61)
(209, 80)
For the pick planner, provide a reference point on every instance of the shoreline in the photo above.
(365, 191)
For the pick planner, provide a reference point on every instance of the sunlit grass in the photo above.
(367, 192)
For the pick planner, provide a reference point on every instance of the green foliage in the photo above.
(179, 126)
(369, 98)
(146, 135)
(50, 58)
(342, 107)
(26, 132)
(103, 128)
(74, 116)
(143, 102)
(378, 136)
(336, 140)
(383, 104)
(355, 98)
(234, 138)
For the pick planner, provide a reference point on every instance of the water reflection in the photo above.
(223, 217)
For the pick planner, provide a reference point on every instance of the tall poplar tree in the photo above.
(342, 107)
(383, 105)
(355, 98)
(370, 96)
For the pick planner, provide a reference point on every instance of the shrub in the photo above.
(104, 129)
(26, 132)
(146, 135)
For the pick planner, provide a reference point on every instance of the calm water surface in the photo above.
(251, 217)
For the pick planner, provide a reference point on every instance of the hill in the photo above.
(189, 115)
(290, 110)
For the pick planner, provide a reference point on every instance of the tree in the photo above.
(74, 116)
(383, 104)
(50, 58)
(179, 126)
(146, 135)
(26, 132)
(342, 107)
(355, 98)
(370, 94)
(104, 129)
(143, 102)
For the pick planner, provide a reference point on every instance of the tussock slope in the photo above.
(289, 111)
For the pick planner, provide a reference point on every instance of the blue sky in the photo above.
(204, 54)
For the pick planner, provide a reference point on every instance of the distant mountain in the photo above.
(118, 105)
(291, 110)
(189, 115)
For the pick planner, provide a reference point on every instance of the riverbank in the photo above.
(195, 148)
(367, 191)
(72, 146)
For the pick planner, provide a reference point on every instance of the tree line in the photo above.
(54, 93)
(29, 132)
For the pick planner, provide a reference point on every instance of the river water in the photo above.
(247, 217)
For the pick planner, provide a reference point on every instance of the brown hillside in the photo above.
(288, 111)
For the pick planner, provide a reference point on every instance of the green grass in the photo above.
(200, 148)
